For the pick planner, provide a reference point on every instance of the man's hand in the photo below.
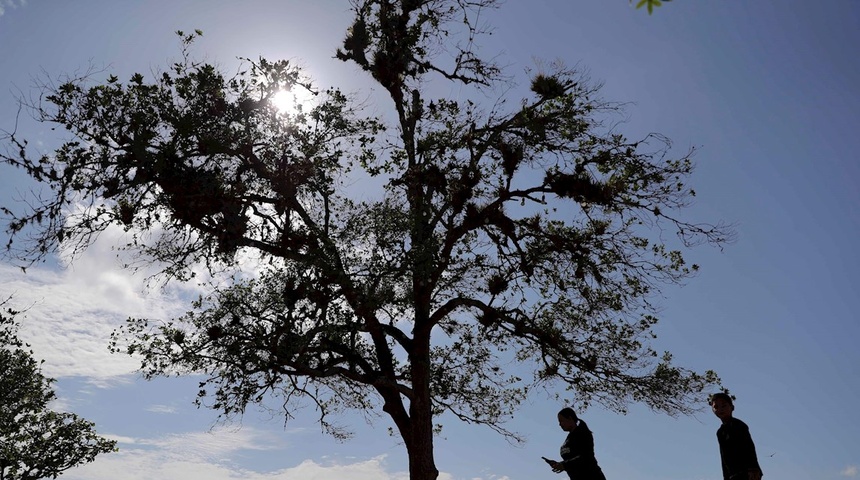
(557, 467)
(755, 474)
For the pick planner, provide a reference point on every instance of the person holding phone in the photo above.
(577, 451)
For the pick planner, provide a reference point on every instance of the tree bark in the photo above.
(422, 465)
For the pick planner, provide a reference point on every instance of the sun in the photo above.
(284, 101)
(292, 101)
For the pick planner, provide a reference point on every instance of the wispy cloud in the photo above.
(217, 443)
(121, 439)
(67, 325)
(206, 455)
(161, 409)
(70, 313)
(10, 4)
(850, 471)
(145, 465)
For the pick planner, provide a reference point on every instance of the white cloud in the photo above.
(70, 313)
(60, 404)
(120, 439)
(146, 465)
(373, 469)
(11, 4)
(850, 471)
(208, 455)
(217, 443)
(161, 409)
(67, 326)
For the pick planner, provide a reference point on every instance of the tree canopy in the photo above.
(526, 233)
(35, 441)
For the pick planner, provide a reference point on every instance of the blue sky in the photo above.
(770, 93)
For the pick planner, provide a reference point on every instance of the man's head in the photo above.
(722, 405)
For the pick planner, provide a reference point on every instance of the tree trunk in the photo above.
(422, 465)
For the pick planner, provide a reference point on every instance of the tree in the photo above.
(650, 4)
(35, 441)
(528, 235)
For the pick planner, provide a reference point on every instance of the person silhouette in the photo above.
(577, 451)
(737, 450)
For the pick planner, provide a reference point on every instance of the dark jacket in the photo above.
(737, 450)
(577, 455)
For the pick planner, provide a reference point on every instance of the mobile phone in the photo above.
(547, 460)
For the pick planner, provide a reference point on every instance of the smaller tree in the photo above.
(35, 441)
(650, 4)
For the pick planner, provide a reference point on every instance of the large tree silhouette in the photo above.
(528, 235)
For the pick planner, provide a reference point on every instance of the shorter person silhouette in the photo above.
(737, 450)
(577, 451)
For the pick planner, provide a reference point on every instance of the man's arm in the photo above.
(747, 450)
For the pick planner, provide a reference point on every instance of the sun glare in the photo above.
(291, 101)
(284, 101)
